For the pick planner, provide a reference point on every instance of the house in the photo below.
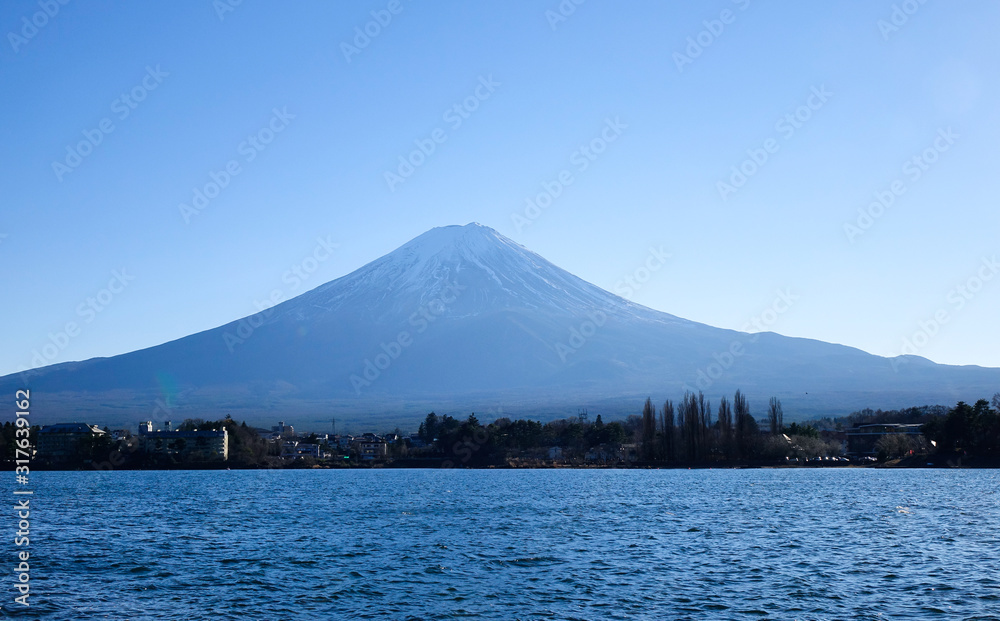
(555, 453)
(613, 453)
(370, 450)
(308, 450)
(629, 452)
(371, 447)
(66, 440)
(207, 444)
(267, 435)
(861, 440)
(293, 450)
(602, 453)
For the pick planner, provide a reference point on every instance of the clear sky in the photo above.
(114, 113)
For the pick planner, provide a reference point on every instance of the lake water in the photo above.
(512, 544)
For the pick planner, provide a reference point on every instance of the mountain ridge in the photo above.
(460, 318)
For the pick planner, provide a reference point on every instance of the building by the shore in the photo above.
(66, 441)
(862, 439)
(291, 449)
(371, 447)
(204, 445)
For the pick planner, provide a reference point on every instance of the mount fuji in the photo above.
(463, 319)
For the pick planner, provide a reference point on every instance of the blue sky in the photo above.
(163, 96)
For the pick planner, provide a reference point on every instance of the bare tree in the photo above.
(692, 420)
(775, 417)
(745, 425)
(705, 423)
(725, 428)
(667, 431)
(648, 430)
(893, 445)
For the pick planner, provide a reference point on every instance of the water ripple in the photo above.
(522, 544)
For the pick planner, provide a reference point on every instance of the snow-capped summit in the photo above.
(492, 271)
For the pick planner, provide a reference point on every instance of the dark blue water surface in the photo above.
(512, 544)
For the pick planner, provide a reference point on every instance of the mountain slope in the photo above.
(461, 319)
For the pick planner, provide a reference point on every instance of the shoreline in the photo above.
(907, 464)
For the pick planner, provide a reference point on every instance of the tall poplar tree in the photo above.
(667, 431)
(775, 417)
(648, 430)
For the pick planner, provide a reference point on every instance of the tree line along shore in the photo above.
(688, 433)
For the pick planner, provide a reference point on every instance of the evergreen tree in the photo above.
(429, 429)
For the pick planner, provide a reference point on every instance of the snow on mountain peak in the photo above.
(493, 271)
